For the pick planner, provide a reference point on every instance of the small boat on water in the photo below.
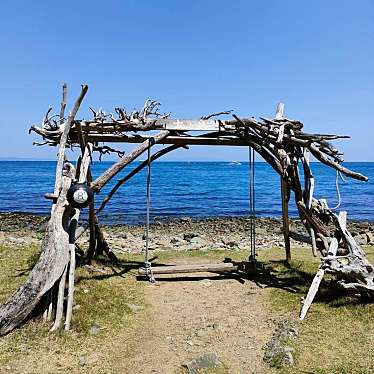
(235, 163)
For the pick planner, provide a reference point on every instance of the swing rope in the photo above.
(252, 203)
(147, 264)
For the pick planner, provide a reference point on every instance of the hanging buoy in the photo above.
(79, 195)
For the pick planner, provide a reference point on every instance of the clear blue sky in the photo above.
(196, 57)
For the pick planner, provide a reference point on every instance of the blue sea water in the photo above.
(196, 189)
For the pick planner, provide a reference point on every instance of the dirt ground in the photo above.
(194, 316)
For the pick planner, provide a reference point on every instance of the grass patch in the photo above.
(337, 335)
(101, 301)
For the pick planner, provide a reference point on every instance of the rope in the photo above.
(147, 264)
(252, 203)
(337, 189)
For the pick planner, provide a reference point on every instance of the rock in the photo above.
(230, 243)
(217, 326)
(185, 219)
(134, 308)
(94, 330)
(218, 244)
(277, 353)
(24, 240)
(288, 356)
(361, 239)
(162, 243)
(197, 240)
(82, 360)
(42, 227)
(189, 236)
(206, 361)
(176, 241)
(370, 237)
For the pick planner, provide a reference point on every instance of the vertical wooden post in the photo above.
(285, 192)
(286, 225)
(279, 114)
(309, 190)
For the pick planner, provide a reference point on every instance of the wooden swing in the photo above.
(280, 141)
(245, 267)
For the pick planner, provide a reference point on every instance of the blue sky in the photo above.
(196, 57)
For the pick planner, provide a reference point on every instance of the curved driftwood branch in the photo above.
(51, 265)
(103, 179)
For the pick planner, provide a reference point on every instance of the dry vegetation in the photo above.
(336, 337)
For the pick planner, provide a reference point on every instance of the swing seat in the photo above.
(191, 268)
(227, 266)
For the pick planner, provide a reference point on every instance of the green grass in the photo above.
(337, 335)
(101, 300)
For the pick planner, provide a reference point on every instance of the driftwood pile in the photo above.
(280, 141)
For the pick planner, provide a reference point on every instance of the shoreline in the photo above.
(182, 233)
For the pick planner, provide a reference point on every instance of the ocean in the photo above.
(194, 189)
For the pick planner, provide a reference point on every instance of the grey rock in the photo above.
(94, 330)
(370, 237)
(42, 227)
(24, 240)
(134, 308)
(198, 240)
(82, 360)
(231, 243)
(189, 236)
(206, 361)
(277, 353)
(361, 239)
(185, 219)
(176, 241)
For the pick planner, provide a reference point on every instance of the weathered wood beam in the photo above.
(64, 138)
(172, 139)
(104, 178)
(285, 193)
(133, 172)
(191, 268)
(51, 265)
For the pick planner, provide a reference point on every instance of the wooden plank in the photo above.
(311, 293)
(178, 140)
(279, 113)
(190, 268)
(286, 224)
(63, 140)
(333, 248)
(167, 124)
(189, 125)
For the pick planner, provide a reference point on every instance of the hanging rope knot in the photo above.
(148, 268)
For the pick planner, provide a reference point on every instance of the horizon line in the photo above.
(15, 159)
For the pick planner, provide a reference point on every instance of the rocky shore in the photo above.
(181, 234)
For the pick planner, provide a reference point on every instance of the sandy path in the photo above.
(190, 317)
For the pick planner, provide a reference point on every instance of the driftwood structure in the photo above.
(280, 141)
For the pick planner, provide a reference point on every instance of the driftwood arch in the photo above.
(280, 141)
